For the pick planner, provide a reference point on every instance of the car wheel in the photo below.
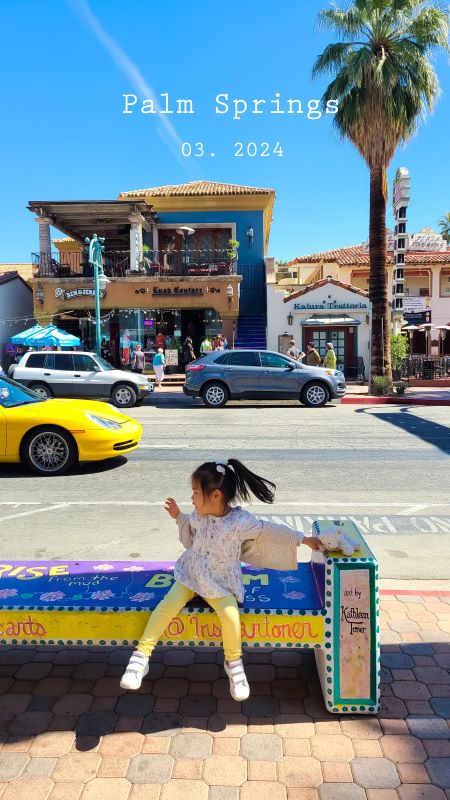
(49, 451)
(42, 390)
(123, 396)
(215, 395)
(314, 395)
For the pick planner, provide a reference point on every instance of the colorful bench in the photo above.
(329, 604)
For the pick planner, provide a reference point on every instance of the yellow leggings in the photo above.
(176, 598)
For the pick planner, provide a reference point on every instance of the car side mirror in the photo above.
(97, 368)
(290, 367)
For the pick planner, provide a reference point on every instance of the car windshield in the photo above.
(13, 394)
(103, 363)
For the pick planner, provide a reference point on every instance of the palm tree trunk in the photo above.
(380, 356)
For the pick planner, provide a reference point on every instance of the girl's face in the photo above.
(212, 504)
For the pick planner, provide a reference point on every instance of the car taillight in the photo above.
(195, 367)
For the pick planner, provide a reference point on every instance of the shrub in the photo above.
(381, 385)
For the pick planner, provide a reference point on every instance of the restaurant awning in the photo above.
(343, 319)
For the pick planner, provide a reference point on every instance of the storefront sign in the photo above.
(417, 318)
(63, 294)
(330, 306)
(416, 304)
(428, 241)
(390, 240)
(171, 357)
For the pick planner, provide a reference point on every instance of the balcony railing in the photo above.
(155, 263)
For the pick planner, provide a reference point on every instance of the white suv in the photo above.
(76, 374)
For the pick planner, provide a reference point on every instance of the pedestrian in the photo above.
(138, 360)
(329, 360)
(218, 343)
(225, 342)
(159, 362)
(294, 352)
(205, 346)
(312, 356)
(188, 351)
(213, 535)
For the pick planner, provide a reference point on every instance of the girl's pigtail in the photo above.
(246, 480)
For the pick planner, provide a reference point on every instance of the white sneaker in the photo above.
(135, 672)
(239, 688)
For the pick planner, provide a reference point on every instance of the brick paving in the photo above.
(68, 732)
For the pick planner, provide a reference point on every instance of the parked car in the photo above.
(50, 436)
(76, 374)
(260, 375)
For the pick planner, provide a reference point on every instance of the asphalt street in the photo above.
(388, 468)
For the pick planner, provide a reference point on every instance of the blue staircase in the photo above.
(251, 332)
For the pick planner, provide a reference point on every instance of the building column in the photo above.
(435, 287)
(136, 221)
(45, 245)
(155, 243)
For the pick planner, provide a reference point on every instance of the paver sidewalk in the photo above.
(67, 731)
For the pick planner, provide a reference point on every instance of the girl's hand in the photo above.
(313, 542)
(172, 508)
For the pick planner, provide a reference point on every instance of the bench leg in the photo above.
(349, 662)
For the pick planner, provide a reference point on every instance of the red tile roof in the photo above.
(354, 256)
(197, 189)
(325, 282)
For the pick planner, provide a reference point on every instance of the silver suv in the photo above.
(76, 374)
(260, 375)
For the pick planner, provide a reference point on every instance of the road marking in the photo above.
(34, 511)
(409, 512)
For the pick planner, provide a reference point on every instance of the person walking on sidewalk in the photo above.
(138, 361)
(159, 363)
(188, 351)
(329, 360)
(294, 352)
(312, 356)
(217, 535)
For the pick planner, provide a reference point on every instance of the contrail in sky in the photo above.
(168, 134)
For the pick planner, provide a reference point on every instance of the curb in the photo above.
(406, 401)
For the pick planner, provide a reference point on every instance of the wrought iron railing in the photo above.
(426, 367)
(154, 263)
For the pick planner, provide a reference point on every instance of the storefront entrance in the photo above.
(343, 339)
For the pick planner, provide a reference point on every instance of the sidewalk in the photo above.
(415, 395)
(69, 732)
(356, 395)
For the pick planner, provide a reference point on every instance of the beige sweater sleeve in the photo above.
(185, 532)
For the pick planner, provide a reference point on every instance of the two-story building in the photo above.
(426, 300)
(182, 260)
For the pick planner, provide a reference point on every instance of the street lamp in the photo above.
(229, 293)
(185, 232)
(250, 235)
(96, 247)
(290, 318)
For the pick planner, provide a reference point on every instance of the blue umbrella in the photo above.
(19, 338)
(52, 336)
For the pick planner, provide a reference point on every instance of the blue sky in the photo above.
(67, 63)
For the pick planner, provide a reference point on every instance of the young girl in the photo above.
(216, 536)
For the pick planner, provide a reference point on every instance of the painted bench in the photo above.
(330, 604)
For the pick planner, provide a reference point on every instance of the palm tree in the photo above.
(384, 84)
(444, 224)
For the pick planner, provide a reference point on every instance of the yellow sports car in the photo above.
(50, 436)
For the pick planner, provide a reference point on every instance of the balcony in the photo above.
(155, 264)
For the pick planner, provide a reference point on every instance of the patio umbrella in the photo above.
(410, 328)
(19, 338)
(52, 336)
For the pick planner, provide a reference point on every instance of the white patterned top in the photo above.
(211, 565)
